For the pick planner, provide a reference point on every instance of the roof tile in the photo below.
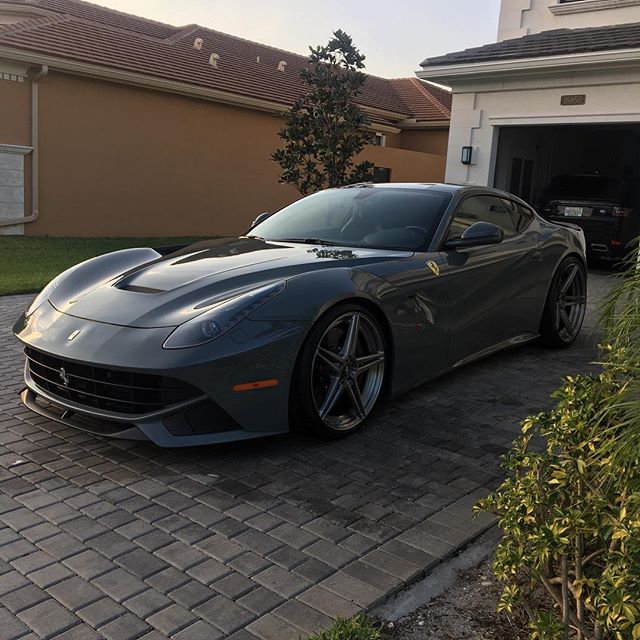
(96, 35)
(548, 43)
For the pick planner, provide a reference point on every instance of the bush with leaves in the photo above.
(325, 127)
(570, 509)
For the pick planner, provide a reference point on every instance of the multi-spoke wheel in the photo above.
(341, 371)
(566, 304)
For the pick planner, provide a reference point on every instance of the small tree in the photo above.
(325, 128)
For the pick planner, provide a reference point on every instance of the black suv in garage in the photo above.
(603, 206)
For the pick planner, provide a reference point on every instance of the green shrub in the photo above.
(570, 507)
(358, 628)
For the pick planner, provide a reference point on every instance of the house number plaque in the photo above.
(572, 101)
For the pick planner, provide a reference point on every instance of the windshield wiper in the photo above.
(324, 243)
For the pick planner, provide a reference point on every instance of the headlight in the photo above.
(224, 316)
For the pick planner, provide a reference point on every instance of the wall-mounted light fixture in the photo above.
(467, 155)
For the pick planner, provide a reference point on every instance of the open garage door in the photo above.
(533, 161)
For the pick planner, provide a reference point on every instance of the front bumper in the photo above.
(252, 351)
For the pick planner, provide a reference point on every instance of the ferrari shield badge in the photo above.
(434, 267)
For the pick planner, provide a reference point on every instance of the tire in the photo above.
(338, 380)
(566, 305)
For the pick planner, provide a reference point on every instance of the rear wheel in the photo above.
(340, 372)
(566, 304)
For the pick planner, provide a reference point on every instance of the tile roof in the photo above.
(84, 32)
(426, 101)
(548, 43)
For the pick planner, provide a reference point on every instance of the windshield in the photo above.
(382, 218)
(589, 187)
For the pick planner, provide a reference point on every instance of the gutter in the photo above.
(35, 155)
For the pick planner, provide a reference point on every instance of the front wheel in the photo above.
(566, 304)
(340, 372)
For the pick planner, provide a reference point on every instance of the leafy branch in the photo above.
(325, 128)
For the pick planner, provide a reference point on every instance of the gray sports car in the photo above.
(307, 320)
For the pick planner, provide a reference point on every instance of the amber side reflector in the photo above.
(261, 384)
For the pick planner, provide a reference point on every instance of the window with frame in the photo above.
(380, 140)
(502, 213)
(525, 218)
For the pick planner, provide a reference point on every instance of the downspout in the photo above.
(35, 154)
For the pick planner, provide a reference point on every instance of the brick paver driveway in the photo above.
(273, 539)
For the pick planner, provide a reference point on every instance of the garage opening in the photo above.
(588, 175)
(529, 158)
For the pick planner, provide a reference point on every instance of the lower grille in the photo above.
(106, 389)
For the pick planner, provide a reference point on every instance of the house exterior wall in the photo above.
(426, 140)
(481, 107)
(407, 166)
(523, 17)
(116, 160)
(15, 160)
(14, 111)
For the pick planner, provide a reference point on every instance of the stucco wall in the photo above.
(121, 161)
(15, 168)
(14, 111)
(479, 110)
(407, 166)
(426, 140)
(522, 17)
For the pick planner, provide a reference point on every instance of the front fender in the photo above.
(309, 296)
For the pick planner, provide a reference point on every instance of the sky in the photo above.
(394, 36)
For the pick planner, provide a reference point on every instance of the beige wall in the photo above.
(121, 161)
(117, 161)
(407, 166)
(522, 17)
(426, 140)
(14, 112)
(15, 129)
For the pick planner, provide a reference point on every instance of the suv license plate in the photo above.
(574, 212)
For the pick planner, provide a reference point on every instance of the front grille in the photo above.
(106, 389)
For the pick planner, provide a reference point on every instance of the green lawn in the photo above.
(27, 264)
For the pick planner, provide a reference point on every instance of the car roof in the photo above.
(447, 187)
(404, 185)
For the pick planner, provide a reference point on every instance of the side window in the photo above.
(520, 215)
(526, 218)
(484, 209)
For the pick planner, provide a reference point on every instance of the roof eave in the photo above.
(450, 73)
(424, 124)
(171, 86)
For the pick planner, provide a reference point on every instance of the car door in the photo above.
(493, 291)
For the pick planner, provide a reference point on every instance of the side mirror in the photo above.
(478, 234)
(261, 218)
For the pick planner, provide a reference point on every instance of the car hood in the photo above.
(167, 291)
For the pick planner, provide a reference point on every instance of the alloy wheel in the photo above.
(571, 302)
(348, 370)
